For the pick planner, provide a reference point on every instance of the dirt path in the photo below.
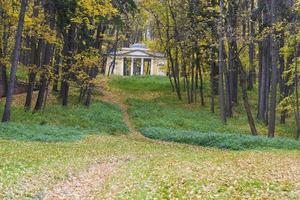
(110, 97)
(85, 184)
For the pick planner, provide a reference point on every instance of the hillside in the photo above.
(100, 153)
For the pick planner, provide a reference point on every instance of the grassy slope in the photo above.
(162, 170)
(193, 172)
(45, 142)
(63, 124)
(152, 104)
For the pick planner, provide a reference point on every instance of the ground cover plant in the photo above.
(57, 123)
(220, 140)
(43, 133)
(161, 109)
(52, 141)
(142, 168)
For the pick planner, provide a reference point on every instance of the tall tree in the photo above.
(14, 62)
(252, 72)
(274, 78)
(221, 64)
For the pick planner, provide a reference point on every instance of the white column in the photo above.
(142, 67)
(152, 67)
(123, 66)
(132, 65)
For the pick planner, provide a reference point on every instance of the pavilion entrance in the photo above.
(137, 66)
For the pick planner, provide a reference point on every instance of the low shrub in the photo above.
(220, 140)
(58, 123)
(42, 133)
(100, 117)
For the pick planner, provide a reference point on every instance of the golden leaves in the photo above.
(89, 11)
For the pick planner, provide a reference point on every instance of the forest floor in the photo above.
(112, 160)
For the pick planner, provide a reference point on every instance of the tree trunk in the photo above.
(297, 106)
(69, 47)
(243, 80)
(252, 73)
(35, 60)
(3, 54)
(43, 79)
(283, 80)
(212, 80)
(200, 77)
(56, 71)
(264, 66)
(274, 79)
(221, 65)
(14, 63)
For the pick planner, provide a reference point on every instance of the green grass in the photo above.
(160, 108)
(220, 140)
(142, 84)
(176, 121)
(156, 113)
(50, 143)
(173, 171)
(100, 117)
(78, 138)
(43, 133)
(58, 123)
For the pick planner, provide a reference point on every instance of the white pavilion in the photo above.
(137, 60)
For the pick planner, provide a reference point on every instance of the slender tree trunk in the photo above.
(243, 80)
(228, 99)
(233, 71)
(94, 70)
(193, 66)
(177, 40)
(35, 60)
(115, 48)
(274, 78)
(3, 54)
(56, 71)
(297, 106)
(252, 72)
(43, 79)
(212, 81)
(175, 74)
(221, 65)
(170, 77)
(49, 7)
(46, 97)
(92, 74)
(200, 77)
(69, 47)
(4, 80)
(283, 80)
(14, 63)
(264, 52)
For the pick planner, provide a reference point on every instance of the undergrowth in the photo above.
(46, 133)
(159, 113)
(58, 123)
(220, 140)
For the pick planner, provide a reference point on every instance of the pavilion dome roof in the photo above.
(138, 46)
(138, 50)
